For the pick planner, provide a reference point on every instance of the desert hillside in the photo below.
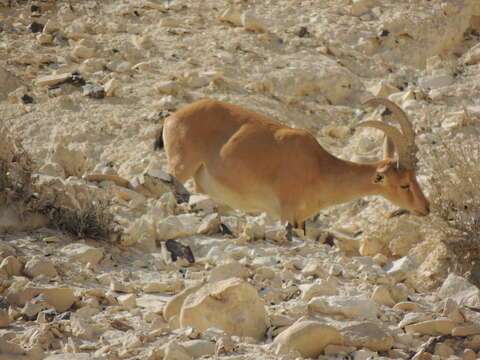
(98, 259)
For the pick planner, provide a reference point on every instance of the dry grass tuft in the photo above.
(455, 199)
(18, 188)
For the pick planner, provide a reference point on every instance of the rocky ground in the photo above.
(86, 226)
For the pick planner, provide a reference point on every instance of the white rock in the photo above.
(460, 290)
(348, 306)
(318, 288)
(228, 270)
(251, 22)
(199, 348)
(309, 338)
(381, 295)
(174, 305)
(367, 335)
(232, 16)
(83, 52)
(51, 80)
(202, 202)
(83, 253)
(400, 269)
(174, 227)
(111, 87)
(72, 161)
(11, 266)
(473, 55)
(119, 66)
(52, 169)
(38, 266)
(231, 305)
(436, 81)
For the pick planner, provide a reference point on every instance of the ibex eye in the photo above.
(405, 186)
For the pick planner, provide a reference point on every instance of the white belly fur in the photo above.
(258, 200)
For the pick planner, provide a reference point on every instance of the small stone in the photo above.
(127, 301)
(399, 269)
(251, 22)
(443, 350)
(309, 338)
(468, 354)
(313, 268)
(4, 319)
(228, 270)
(35, 27)
(111, 86)
(175, 351)
(368, 335)
(12, 266)
(167, 87)
(210, 224)
(231, 16)
(94, 91)
(119, 66)
(381, 295)
(83, 253)
(199, 348)
(348, 306)
(473, 55)
(466, 330)
(51, 26)
(432, 327)
(40, 267)
(364, 354)
(44, 39)
(319, 288)
(452, 311)
(202, 202)
(174, 305)
(27, 99)
(83, 52)
(406, 306)
(232, 305)
(436, 81)
(51, 80)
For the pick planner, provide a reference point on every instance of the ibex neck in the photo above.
(351, 181)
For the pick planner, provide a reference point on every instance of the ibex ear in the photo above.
(378, 178)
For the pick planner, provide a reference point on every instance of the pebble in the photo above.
(93, 91)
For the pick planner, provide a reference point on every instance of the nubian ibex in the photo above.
(255, 164)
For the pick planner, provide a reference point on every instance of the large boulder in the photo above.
(232, 305)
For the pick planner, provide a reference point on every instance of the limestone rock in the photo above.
(199, 348)
(228, 270)
(309, 338)
(38, 266)
(12, 266)
(52, 80)
(174, 305)
(436, 81)
(4, 319)
(8, 82)
(174, 227)
(466, 330)
(400, 269)
(72, 161)
(231, 305)
(175, 351)
(348, 306)
(368, 335)
(251, 22)
(83, 253)
(381, 295)
(406, 306)
(432, 327)
(319, 288)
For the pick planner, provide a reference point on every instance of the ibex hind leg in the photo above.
(179, 175)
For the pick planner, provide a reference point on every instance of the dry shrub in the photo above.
(18, 188)
(94, 221)
(455, 199)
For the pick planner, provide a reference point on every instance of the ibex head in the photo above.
(397, 176)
